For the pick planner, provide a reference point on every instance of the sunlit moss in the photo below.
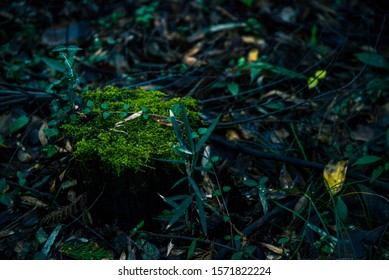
(132, 143)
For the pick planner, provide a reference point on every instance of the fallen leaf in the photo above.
(334, 175)
(273, 248)
(253, 55)
(41, 135)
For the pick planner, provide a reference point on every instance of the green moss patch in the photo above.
(102, 131)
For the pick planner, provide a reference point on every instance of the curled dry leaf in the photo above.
(29, 200)
(273, 248)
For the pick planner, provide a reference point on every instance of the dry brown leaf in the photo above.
(41, 135)
(232, 135)
(195, 50)
(29, 200)
(273, 248)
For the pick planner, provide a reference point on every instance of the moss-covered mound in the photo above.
(104, 132)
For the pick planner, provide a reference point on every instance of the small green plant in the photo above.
(70, 79)
(144, 14)
(262, 190)
(188, 148)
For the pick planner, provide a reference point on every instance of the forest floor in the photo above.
(293, 97)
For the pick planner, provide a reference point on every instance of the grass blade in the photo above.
(206, 135)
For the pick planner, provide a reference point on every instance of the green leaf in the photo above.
(73, 49)
(54, 64)
(50, 150)
(104, 106)
(341, 209)
(180, 181)
(377, 172)
(52, 123)
(250, 182)
(195, 187)
(233, 88)
(188, 131)
(176, 109)
(203, 220)
(123, 115)
(59, 49)
(250, 249)
(215, 159)
(274, 105)
(86, 111)
(22, 178)
(277, 69)
(237, 256)
(254, 72)
(4, 187)
(202, 130)
(248, 3)
(191, 249)
(263, 180)
(106, 115)
(41, 182)
(218, 85)
(206, 135)
(2, 139)
(126, 106)
(177, 130)
(180, 210)
(18, 123)
(50, 132)
(283, 240)
(367, 160)
(226, 189)
(217, 193)
(373, 59)
(241, 61)
(90, 103)
(195, 135)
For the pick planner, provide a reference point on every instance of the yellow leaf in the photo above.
(334, 175)
(320, 74)
(312, 82)
(253, 55)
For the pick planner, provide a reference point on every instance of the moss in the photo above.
(132, 143)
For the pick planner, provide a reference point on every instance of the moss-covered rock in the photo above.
(103, 132)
